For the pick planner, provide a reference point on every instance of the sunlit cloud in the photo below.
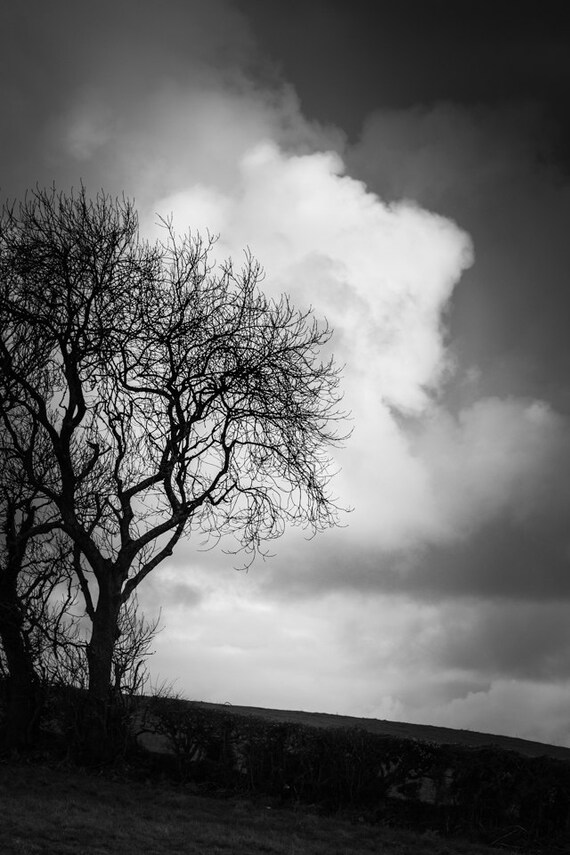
(419, 475)
(381, 274)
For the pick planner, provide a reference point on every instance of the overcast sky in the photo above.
(406, 172)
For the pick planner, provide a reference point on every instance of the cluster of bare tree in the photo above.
(145, 396)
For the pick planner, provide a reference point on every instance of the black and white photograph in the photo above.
(284, 427)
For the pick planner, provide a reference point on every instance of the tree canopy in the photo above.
(147, 394)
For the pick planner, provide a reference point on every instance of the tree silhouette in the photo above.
(35, 560)
(147, 395)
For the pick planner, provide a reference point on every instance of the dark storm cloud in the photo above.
(348, 59)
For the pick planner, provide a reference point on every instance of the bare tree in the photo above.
(63, 668)
(167, 398)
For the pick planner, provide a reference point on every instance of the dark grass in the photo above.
(55, 809)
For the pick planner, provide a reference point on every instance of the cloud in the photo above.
(425, 606)
(474, 504)
(523, 640)
(498, 458)
(381, 274)
(430, 488)
(496, 669)
(458, 465)
(245, 650)
(157, 111)
(448, 153)
(324, 654)
(496, 170)
(88, 127)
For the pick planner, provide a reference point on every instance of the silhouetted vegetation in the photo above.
(330, 780)
(49, 809)
(451, 789)
(144, 396)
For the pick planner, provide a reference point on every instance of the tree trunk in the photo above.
(97, 742)
(21, 724)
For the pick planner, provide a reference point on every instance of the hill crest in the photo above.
(399, 730)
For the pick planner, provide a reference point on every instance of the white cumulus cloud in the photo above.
(381, 274)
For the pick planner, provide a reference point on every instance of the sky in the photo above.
(405, 170)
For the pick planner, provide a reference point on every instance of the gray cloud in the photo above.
(501, 561)
(78, 78)
(528, 641)
(181, 594)
(491, 519)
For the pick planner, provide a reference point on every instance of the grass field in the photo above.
(55, 810)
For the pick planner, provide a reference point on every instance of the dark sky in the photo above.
(348, 59)
(405, 168)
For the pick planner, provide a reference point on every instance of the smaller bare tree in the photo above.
(64, 669)
(44, 631)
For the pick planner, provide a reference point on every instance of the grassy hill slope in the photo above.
(401, 730)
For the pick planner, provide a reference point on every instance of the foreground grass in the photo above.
(63, 811)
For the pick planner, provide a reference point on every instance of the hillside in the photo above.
(397, 773)
(402, 730)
